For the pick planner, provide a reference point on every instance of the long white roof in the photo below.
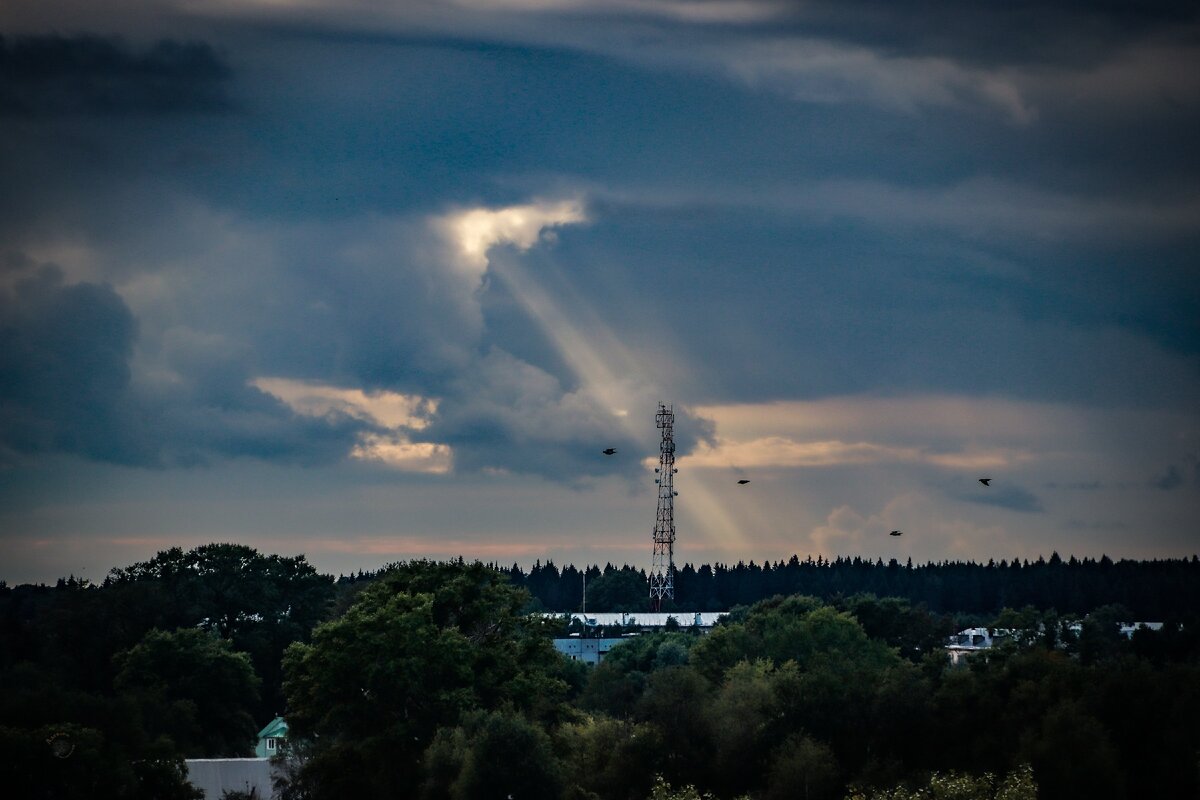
(647, 619)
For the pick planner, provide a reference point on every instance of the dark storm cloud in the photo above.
(1030, 31)
(991, 32)
(42, 75)
(188, 430)
(844, 306)
(64, 368)
(66, 386)
(913, 283)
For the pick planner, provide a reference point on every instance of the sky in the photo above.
(373, 281)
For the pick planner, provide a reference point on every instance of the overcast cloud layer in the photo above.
(375, 280)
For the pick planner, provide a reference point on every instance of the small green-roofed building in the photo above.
(270, 738)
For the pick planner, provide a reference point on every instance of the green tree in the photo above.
(69, 762)
(802, 769)
(675, 703)
(608, 758)
(830, 690)
(618, 590)
(913, 631)
(233, 588)
(670, 653)
(422, 646)
(741, 718)
(1073, 756)
(1100, 633)
(262, 603)
(795, 628)
(614, 685)
(493, 755)
(191, 686)
(613, 689)
(1024, 627)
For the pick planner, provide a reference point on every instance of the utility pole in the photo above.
(662, 569)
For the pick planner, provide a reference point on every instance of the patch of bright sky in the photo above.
(396, 412)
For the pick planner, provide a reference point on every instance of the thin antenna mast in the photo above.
(662, 570)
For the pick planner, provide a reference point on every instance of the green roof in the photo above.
(276, 728)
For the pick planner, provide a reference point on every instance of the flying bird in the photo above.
(743, 481)
(896, 533)
(609, 451)
(986, 481)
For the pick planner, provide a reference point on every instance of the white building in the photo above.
(647, 620)
(969, 641)
(216, 776)
(591, 650)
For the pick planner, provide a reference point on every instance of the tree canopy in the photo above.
(260, 603)
(432, 680)
(419, 649)
(191, 686)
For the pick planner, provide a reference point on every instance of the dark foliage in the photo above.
(260, 603)
(1164, 589)
(432, 680)
(160, 662)
(422, 648)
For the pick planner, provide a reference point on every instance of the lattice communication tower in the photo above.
(662, 570)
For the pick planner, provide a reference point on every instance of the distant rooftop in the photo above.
(646, 619)
(275, 728)
(973, 640)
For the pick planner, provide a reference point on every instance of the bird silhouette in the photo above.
(609, 451)
(896, 533)
(986, 481)
(743, 481)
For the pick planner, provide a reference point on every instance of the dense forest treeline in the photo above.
(1151, 590)
(432, 680)
(436, 684)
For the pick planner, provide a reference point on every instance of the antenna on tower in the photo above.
(662, 569)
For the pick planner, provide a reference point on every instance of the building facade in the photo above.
(592, 649)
